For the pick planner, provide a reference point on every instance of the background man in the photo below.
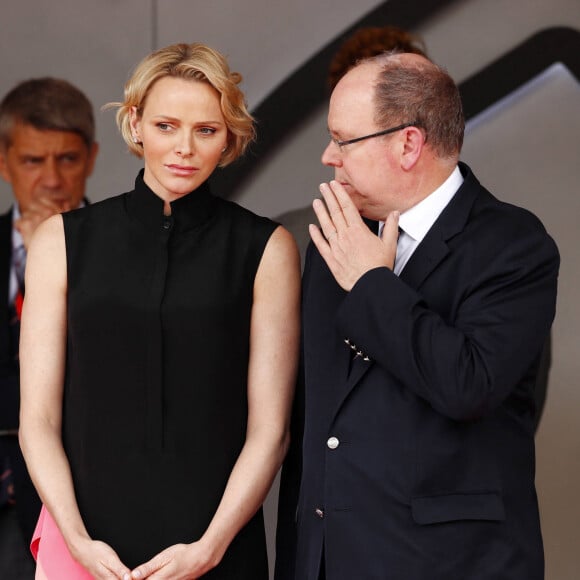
(420, 350)
(47, 152)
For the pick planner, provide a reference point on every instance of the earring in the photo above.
(135, 139)
(224, 149)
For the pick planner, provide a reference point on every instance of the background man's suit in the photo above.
(27, 501)
(418, 452)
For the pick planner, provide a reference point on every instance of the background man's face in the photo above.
(47, 166)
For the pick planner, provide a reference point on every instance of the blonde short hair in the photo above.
(195, 62)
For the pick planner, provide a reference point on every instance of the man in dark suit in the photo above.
(413, 454)
(47, 152)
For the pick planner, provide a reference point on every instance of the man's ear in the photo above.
(413, 143)
(4, 172)
(93, 152)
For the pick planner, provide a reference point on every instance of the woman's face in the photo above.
(183, 133)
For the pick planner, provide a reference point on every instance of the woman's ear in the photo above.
(135, 122)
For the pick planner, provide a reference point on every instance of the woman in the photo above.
(159, 347)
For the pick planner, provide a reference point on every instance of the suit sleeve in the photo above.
(464, 362)
(289, 492)
(292, 470)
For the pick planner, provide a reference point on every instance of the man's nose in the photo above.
(331, 155)
(51, 174)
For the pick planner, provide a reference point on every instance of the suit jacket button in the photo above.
(319, 512)
(332, 443)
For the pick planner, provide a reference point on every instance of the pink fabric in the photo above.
(50, 551)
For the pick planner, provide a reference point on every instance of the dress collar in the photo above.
(187, 213)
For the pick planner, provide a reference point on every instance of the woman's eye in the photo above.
(164, 126)
(207, 130)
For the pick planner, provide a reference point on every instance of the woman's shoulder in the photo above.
(89, 210)
(246, 224)
(47, 243)
(243, 214)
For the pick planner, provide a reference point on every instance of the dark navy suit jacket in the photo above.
(27, 500)
(8, 365)
(417, 456)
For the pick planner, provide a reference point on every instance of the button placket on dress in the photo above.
(155, 390)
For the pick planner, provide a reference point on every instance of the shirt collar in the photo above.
(17, 240)
(417, 221)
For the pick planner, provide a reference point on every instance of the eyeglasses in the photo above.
(378, 134)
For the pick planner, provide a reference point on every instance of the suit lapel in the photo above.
(428, 255)
(358, 368)
(434, 247)
(348, 373)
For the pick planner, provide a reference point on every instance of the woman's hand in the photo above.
(101, 560)
(178, 562)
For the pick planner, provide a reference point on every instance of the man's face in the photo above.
(366, 169)
(47, 167)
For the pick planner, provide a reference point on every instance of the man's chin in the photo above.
(369, 213)
(356, 199)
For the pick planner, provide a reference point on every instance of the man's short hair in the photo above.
(47, 104)
(422, 93)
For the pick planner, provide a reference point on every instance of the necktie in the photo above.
(19, 262)
(382, 225)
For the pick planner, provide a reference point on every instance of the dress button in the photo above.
(333, 443)
(319, 512)
(166, 223)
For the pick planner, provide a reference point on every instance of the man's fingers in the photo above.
(318, 239)
(391, 228)
(322, 245)
(334, 208)
(326, 223)
(348, 210)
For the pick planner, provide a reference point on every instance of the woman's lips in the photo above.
(182, 169)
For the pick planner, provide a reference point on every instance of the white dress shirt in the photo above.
(417, 221)
(17, 248)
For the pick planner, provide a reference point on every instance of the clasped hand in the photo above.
(177, 562)
(345, 242)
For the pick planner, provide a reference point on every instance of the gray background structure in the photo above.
(525, 148)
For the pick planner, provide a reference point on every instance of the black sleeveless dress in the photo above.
(155, 397)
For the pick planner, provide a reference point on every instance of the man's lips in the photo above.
(59, 200)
